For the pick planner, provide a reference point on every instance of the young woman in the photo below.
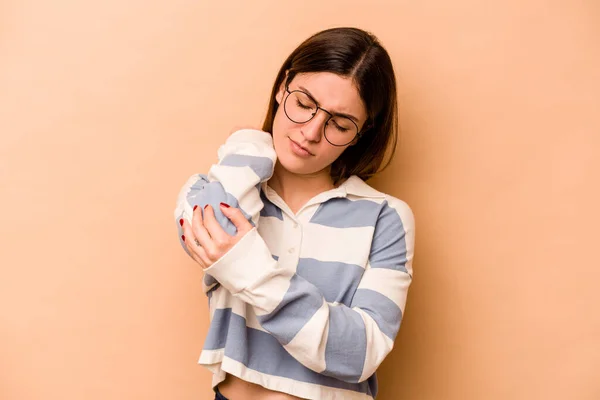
(306, 267)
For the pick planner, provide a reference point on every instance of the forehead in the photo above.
(333, 92)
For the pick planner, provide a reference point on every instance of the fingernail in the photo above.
(195, 208)
(206, 206)
(181, 222)
(183, 237)
(225, 205)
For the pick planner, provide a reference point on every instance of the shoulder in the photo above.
(393, 209)
(401, 209)
(237, 128)
(245, 134)
(358, 188)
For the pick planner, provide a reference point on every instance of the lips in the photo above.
(302, 147)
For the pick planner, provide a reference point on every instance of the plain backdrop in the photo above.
(106, 108)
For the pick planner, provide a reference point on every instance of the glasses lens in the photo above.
(299, 107)
(340, 130)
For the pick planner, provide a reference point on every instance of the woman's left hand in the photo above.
(206, 240)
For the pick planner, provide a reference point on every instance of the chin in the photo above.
(298, 166)
(295, 165)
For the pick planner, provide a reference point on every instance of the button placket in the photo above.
(294, 235)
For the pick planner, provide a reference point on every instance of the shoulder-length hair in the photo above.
(355, 54)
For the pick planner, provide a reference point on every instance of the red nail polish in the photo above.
(195, 208)
(206, 206)
(225, 205)
(183, 237)
(181, 222)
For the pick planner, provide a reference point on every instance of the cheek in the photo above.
(281, 126)
(331, 153)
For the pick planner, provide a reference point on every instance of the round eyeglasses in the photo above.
(300, 108)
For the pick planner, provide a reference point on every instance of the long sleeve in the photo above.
(245, 161)
(347, 343)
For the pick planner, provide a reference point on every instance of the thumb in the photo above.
(236, 216)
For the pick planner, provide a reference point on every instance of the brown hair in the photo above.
(353, 53)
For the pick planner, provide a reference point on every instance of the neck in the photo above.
(296, 190)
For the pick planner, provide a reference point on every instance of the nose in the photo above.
(313, 129)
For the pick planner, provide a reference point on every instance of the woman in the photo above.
(306, 266)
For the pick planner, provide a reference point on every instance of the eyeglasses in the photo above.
(300, 108)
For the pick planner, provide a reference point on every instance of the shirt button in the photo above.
(291, 250)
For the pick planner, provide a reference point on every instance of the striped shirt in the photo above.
(308, 303)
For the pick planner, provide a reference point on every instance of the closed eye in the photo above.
(303, 106)
(338, 127)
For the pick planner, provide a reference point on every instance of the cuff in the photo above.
(244, 265)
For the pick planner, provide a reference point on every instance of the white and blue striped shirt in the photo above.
(309, 303)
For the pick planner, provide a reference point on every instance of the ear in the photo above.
(281, 92)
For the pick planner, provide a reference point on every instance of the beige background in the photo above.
(107, 107)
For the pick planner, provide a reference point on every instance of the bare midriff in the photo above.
(235, 388)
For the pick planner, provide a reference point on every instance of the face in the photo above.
(301, 147)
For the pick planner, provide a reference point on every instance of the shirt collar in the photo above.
(357, 187)
(352, 186)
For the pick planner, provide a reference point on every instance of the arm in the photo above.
(245, 161)
(347, 343)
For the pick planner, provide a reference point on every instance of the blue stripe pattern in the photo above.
(345, 213)
(343, 361)
(261, 352)
(269, 209)
(262, 166)
(336, 281)
(388, 249)
(299, 304)
(385, 312)
(204, 192)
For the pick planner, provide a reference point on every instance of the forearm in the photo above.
(347, 343)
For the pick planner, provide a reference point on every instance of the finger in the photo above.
(216, 232)
(198, 260)
(207, 243)
(191, 251)
(237, 217)
(189, 239)
(192, 244)
(199, 229)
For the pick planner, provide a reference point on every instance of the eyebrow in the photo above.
(352, 117)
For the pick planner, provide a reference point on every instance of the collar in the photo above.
(352, 186)
(357, 187)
